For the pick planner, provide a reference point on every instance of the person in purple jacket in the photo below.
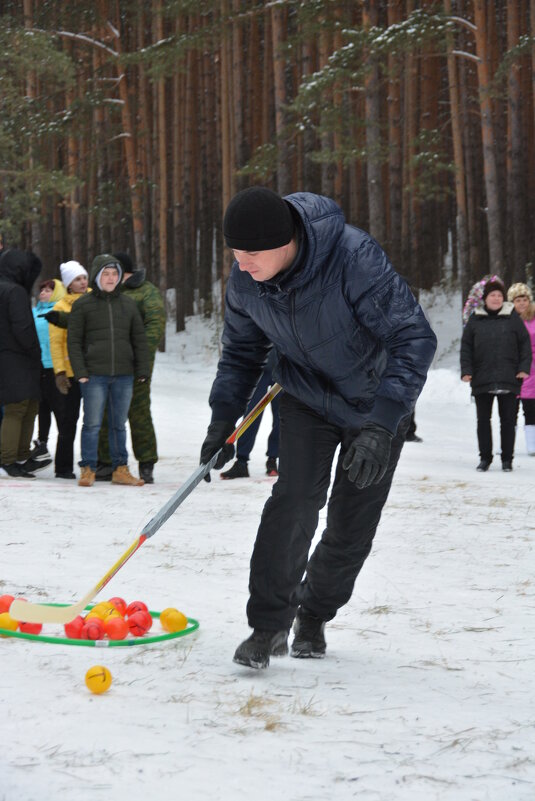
(521, 297)
(353, 349)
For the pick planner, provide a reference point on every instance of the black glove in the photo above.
(51, 317)
(218, 432)
(368, 455)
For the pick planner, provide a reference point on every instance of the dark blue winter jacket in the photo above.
(353, 343)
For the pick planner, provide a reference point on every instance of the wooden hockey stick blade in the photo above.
(41, 613)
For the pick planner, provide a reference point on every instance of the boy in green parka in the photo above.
(107, 349)
(151, 307)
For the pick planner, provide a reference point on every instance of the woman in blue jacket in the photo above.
(353, 349)
(50, 291)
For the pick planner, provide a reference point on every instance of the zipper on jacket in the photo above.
(291, 296)
(108, 299)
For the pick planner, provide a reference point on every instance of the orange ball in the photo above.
(136, 606)
(119, 604)
(31, 628)
(139, 623)
(5, 602)
(92, 630)
(116, 628)
(172, 620)
(73, 630)
(8, 622)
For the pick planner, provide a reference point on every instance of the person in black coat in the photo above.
(20, 361)
(495, 357)
(353, 349)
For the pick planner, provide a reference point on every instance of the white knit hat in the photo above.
(69, 271)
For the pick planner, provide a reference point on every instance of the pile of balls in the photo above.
(113, 619)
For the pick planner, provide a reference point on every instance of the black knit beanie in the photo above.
(493, 286)
(257, 219)
(125, 262)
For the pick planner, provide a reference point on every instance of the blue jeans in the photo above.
(113, 393)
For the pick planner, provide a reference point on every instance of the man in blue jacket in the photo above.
(353, 349)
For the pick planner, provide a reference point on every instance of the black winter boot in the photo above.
(254, 652)
(33, 465)
(103, 472)
(309, 641)
(271, 467)
(484, 465)
(238, 470)
(145, 472)
(14, 470)
(39, 451)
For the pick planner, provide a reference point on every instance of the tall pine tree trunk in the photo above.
(278, 26)
(370, 18)
(162, 170)
(496, 261)
(458, 159)
(516, 185)
(129, 144)
(395, 155)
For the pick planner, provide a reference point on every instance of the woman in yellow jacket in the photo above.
(74, 277)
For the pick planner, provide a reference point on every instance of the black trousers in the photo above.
(528, 407)
(411, 430)
(507, 408)
(277, 582)
(49, 404)
(67, 421)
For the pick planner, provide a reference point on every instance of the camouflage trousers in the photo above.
(141, 428)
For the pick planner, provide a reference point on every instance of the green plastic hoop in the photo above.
(192, 626)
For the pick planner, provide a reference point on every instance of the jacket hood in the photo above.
(323, 222)
(98, 264)
(20, 268)
(505, 311)
(136, 279)
(59, 291)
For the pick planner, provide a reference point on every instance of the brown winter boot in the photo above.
(87, 477)
(122, 475)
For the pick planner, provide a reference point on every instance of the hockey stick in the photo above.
(41, 613)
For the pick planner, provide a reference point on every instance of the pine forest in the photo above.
(129, 126)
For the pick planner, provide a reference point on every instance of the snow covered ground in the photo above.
(426, 693)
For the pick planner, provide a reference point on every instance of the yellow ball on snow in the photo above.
(8, 622)
(98, 679)
(172, 620)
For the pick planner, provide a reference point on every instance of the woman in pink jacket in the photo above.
(520, 295)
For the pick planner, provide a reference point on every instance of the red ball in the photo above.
(31, 628)
(136, 606)
(116, 628)
(119, 604)
(139, 623)
(93, 629)
(73, 630)
(6, 601)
